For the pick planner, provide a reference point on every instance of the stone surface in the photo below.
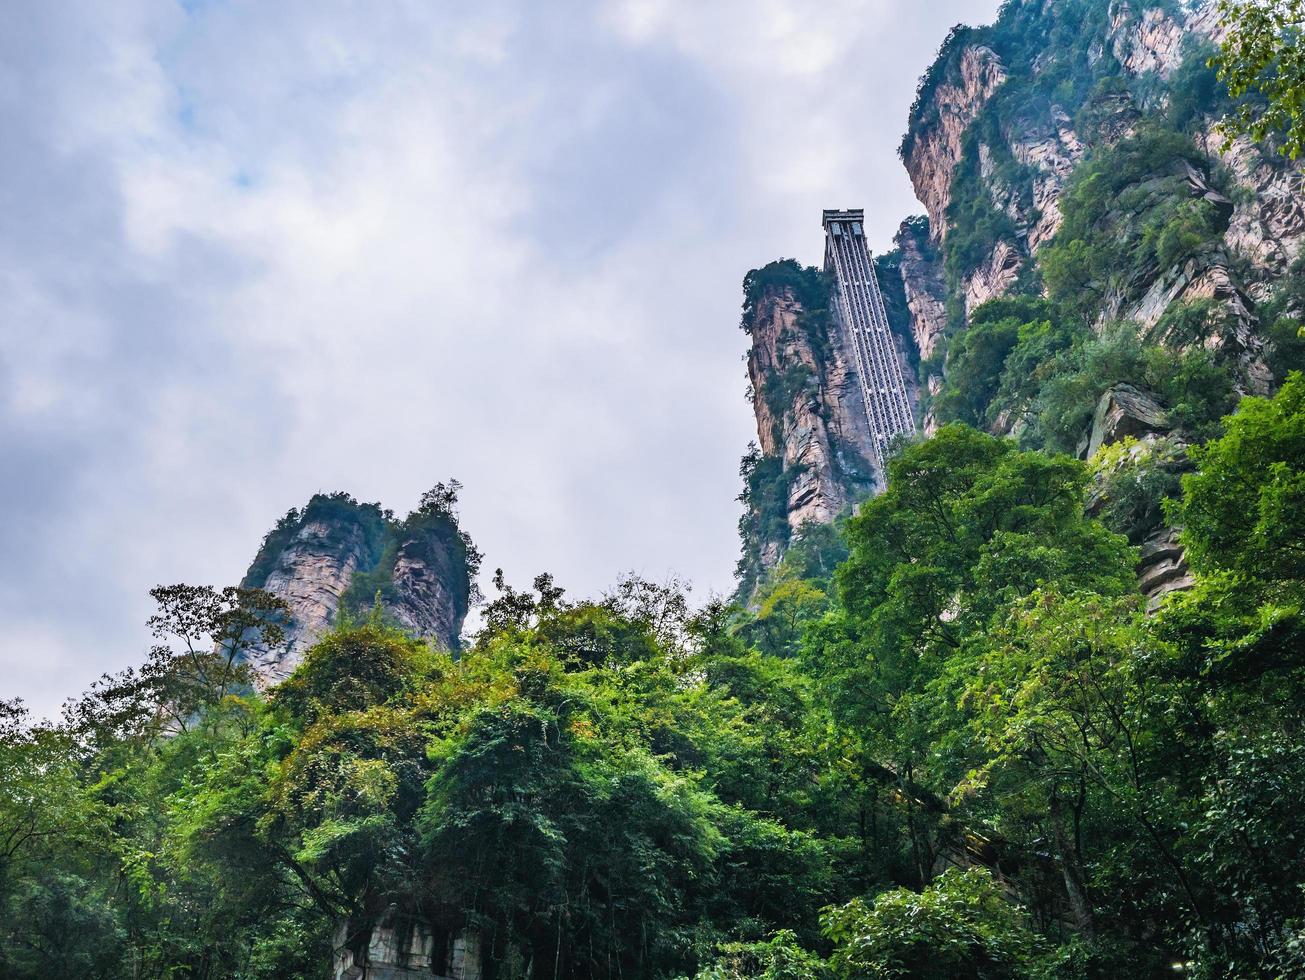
(1206, 277)
(823, 428)
(404, 950)
(995, 277)
(426, 604)
(1154, 41)
(1052, 151)
(1162, 567)
(922, 279)
(1151, 42)
(310, 574)
(1267, 225)
(936, 151)
(312, 564)
(1123, 411)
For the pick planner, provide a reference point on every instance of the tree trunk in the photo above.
(1079, 906)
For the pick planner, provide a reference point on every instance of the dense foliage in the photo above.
(1263, 55)
(949, 742)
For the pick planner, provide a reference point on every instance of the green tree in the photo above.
(961, 926)
(1244, 510)
(1262, 55)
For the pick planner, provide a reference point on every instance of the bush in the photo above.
(961, 926)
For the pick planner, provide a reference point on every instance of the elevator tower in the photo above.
(859, 306)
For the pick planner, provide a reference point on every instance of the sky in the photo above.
(250, 251)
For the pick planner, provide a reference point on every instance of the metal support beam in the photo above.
(860, 307)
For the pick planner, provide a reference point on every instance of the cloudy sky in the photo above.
(252, 250)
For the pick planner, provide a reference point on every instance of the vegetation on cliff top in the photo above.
(432, 532)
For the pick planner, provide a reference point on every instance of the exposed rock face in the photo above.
(311, 573)
(405, 950)
(1154, 41)
(312, 560)
(922, 280)
(1207, 277)
(1123, 411)
(995, 277)
(816, 457)
(1052, 151)
(1267, 224)
(936, 151)
(426, 602)
(821, 433)
(1162, 567)
(996, 143)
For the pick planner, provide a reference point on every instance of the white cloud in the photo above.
(257, 250)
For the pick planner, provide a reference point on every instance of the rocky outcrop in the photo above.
(1151, 42)
(1206, 277)
(1162, 561)
(995, 277)
(339, 554)
(425, 579)
(935, 151)
(809, 408)
(815, 457)
(1051, 150)
(1155, 40)
(1123, 411)
(1144, 39)
(1267, 222)
(309, 561)
(1162, 566)
(920, 268)
(405, 949)
(922, 280)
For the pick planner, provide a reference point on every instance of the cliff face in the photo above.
(998, 120)
(428, 599)
(1193, 246)
(919, 267)
(339, 554)
(1068, 158)
(806, 405)
(1008, 122)
(936, 146)
(311, 572)
(815, 451)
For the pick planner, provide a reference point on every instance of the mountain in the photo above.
(814, 456)
(1035, 711)
(1084, 219)
(337, 554)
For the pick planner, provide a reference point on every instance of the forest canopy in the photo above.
(950, 741)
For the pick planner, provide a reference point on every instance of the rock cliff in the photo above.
(1011, 125)
(814, 457)
(337, 553)
(1008, 112)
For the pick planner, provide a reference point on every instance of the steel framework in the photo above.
(860, 307)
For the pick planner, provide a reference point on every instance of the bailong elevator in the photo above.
(860, 307)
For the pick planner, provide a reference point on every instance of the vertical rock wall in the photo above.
(316, 559)
(811, 417)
